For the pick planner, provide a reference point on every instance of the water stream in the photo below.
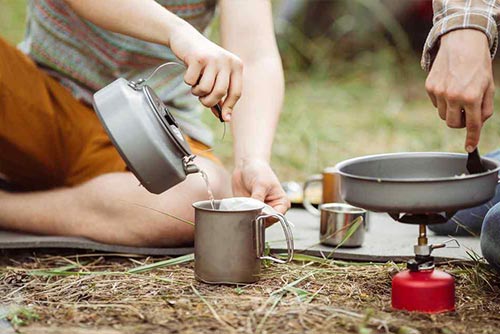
(209, 189)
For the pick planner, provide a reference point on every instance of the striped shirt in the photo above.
(449, 15)
(84, 58)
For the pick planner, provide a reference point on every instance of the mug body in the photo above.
(331, 186)
(336, 219)
(226, 245)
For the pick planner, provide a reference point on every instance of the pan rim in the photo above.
(345, 163)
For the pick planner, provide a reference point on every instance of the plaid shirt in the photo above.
(449, 15)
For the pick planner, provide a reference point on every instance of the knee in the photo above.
(218, 178)
(179, 231)
(490, 237)
(222, 183)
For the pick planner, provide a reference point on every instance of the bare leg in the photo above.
(103, 209)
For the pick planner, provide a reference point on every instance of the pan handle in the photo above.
(433, 218)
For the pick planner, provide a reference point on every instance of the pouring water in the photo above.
(209, 189)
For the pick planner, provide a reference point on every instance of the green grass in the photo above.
(12, 19)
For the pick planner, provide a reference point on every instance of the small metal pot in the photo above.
(336, 219)
(229, 245)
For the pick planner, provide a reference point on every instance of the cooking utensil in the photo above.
(330, 182)
(229, 245)
(427, 186)
(336, 219)
(218, 108)
(474, 165)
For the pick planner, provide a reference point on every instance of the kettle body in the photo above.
(145, 134)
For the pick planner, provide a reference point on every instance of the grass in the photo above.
(311, 294)
(12, 18)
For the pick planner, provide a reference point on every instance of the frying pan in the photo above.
(421, 187)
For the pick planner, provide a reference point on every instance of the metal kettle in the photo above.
(145, 133)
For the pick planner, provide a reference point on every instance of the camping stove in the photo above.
(418, 188)
(421, 287)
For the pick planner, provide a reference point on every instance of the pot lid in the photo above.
(166, 119)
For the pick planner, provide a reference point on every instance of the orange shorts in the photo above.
(48, 139)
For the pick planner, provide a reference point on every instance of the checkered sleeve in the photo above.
(449, 15)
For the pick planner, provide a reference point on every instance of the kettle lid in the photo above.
(167, 120)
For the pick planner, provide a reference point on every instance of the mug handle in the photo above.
(305, 201)
(260, 237)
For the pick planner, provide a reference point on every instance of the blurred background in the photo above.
(353, 83)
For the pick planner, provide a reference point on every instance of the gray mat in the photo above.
(386, 240)
(15, 240)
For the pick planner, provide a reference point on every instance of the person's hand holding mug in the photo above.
(460, 82)
(255, 178)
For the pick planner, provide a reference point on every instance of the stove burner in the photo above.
(422, 218)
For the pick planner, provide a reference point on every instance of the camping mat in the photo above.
(385, 240)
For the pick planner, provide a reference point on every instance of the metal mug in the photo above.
(331, 189)
(229, 245)
(336, 218)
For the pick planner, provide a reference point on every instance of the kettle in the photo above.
(145, 133)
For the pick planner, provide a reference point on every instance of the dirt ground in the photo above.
(96, 293)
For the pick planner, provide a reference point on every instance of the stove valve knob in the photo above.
(436, 246)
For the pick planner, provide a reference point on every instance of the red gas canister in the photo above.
(427, 291)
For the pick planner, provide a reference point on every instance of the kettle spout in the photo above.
(191, 169)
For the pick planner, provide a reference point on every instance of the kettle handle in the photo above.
(137, 85)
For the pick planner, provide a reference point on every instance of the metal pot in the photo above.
(145, 133)
(426, 183)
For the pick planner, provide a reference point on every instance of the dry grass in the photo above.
(53, 294)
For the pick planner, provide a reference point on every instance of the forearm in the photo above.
(450, 15)
(257, 113)
(247, 30)
(142, 19)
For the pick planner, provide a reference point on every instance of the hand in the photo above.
(461, 78)
(256, 179)
(214, 73)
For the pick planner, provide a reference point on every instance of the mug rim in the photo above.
(197, 205)
(341, 208)
(330, 170)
